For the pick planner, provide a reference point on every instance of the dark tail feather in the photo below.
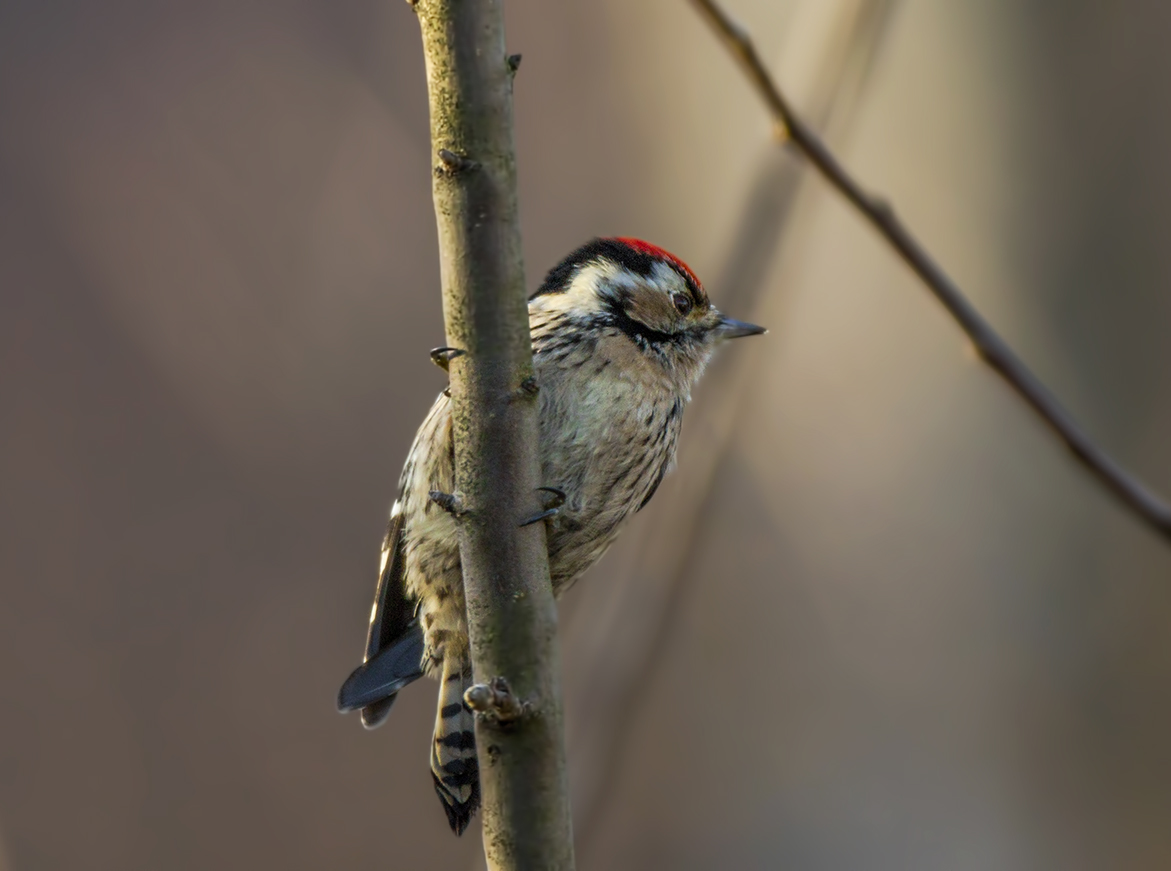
(373, 684)
(375, 713)
(453, 752)
(390, 626)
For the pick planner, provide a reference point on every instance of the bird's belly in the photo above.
(606, 448)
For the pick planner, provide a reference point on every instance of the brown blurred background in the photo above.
(915, 635)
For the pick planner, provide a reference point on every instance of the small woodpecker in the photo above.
(621, 330)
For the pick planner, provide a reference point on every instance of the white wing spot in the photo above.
(396, 509)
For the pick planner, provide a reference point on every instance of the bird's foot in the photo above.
(442, 357)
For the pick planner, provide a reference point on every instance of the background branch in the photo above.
(512, 619)
(614, 638)
(992, 349)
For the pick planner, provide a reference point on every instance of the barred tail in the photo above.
(453, 752)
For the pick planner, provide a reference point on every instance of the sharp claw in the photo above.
(442, 357)
(537, 518)
(552, 511)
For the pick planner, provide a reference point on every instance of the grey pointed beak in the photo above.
(730, 328)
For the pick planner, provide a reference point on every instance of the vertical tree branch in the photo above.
(512, 619)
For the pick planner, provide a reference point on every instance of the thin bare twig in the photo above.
(992, 349)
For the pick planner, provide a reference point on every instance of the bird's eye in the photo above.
(682, 303)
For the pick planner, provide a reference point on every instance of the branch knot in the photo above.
(452, 163)
(496, 703)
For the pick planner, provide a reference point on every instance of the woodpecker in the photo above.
(621, 330)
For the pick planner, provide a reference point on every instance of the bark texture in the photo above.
(512, 619)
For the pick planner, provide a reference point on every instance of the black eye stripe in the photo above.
(638, 332)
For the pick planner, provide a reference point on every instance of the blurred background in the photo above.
(907, 632)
